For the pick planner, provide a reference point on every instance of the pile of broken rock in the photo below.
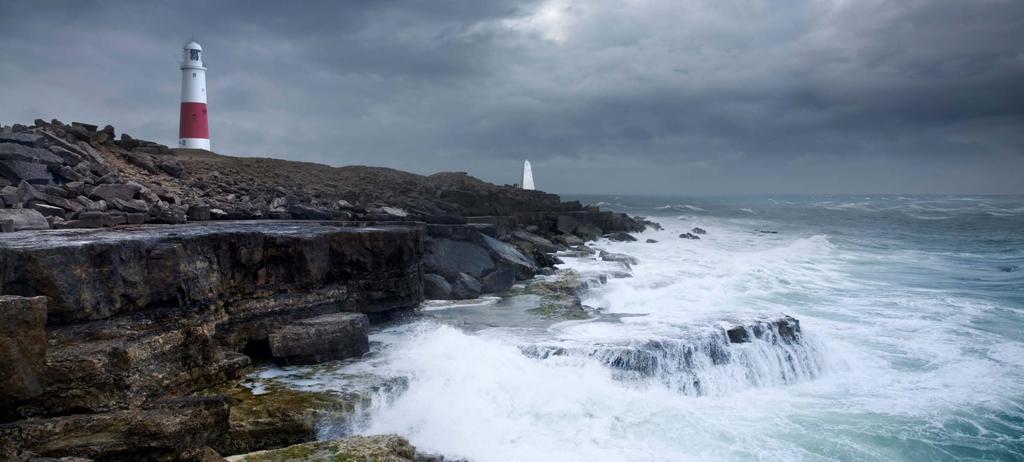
(55, 176)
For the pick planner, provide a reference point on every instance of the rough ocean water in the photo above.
(912, 310)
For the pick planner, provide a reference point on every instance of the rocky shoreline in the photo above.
(137, 281)
(140, 285)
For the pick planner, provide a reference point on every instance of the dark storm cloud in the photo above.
(626, 96)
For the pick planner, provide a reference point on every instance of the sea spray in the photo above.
(910, 347)
(479, 397)
(706, 359)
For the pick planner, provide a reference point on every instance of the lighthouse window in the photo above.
(193, 75)
(194, 55)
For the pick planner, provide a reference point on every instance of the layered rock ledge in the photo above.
(110, 324)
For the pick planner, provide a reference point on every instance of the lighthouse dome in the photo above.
(192, 56)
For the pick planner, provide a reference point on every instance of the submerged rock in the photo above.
(578, 252)
(785, 329)
(689, 236)
(765, 351)
(650, 224)
(561, 307)
(627, 260)
(698, 231)
(620, 236)
(565, 282)
(560, 295)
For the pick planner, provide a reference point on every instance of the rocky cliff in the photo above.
(136, 281)
(111, 325)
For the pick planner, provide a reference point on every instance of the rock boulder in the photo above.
(435, 287)
(23, 219)
(466, 287)
(322, 338)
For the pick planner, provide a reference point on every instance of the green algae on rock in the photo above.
(379, 448)
(277, 417)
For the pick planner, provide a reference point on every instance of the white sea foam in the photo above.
(436, 305)
(885, 355)
(480, 398)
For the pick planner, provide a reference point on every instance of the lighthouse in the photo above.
(193, 132)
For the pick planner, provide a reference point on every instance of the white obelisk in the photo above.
(527, 176)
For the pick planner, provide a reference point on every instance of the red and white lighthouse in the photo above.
(194, 131)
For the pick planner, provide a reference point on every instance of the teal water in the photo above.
(921, 296)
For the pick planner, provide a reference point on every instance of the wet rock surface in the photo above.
(380, 448)
(436, 287)
(627, 260)
(321, 338)
(471, 262)
(22, 348)
(177, 429)
(275, 417)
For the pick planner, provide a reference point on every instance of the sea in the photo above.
(911, 314)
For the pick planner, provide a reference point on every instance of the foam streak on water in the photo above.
(911, 348)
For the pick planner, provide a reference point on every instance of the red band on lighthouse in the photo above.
(193, 121)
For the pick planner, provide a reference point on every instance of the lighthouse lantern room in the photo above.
(194, 131)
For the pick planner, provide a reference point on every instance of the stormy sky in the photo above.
(603, 96)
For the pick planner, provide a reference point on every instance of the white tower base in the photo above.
(194, 143)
